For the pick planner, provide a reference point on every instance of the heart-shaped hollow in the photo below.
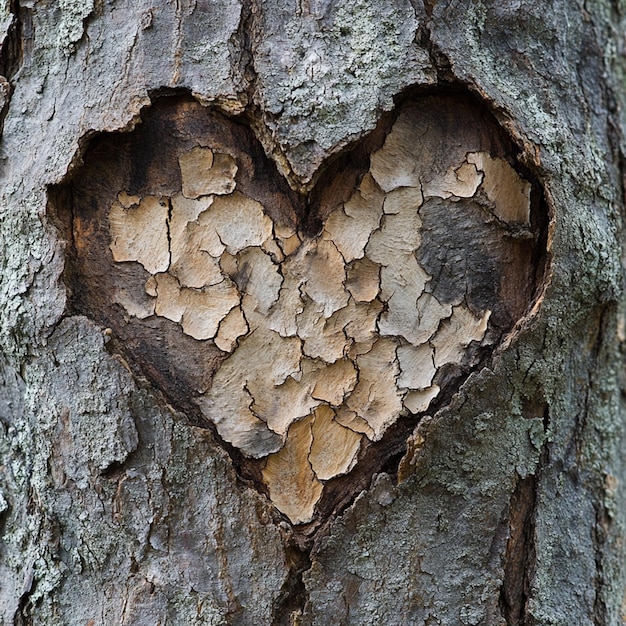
(310, 332)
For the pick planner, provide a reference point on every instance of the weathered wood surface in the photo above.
(509, 509)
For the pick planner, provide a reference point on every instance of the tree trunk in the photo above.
(438, 186)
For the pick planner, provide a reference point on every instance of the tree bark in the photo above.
(501, 502)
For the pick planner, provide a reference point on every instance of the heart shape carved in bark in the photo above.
(304, 329)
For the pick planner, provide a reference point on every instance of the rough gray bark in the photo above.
(509, 504)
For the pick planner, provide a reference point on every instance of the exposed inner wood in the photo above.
(305, 350)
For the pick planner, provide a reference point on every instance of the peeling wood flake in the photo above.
(294, 488)
(322, 339)
(205, 173)
(290, 245)
(221, 179)
(359, 321)
(238, 222)
(166, 289)
(353, 422)
(326, 277)
(395, 164)
(282, 405)
(460, 182)
(376, 398)
(128, 201)
(194, 168)
(184, 211)
(282, 318)
(263, 361)
(139, 234)
(259, 281)
(402, 287)
(238, 425)
(417, 367)
(192, 265)
(232, 327)
(457, 333)
(363, 280)
(430, 314)
(350, 227)
(419, 401)
(335, 382)
(509, 193)
(403, 199)
(399, 235)
(334, 448)
(198, 311)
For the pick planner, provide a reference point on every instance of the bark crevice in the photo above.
(601, 531)
(519, 553)
(12, 49)
(291, 602)
(12, 54)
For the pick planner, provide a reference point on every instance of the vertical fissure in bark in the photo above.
(290, 605)
(520, 555)
(23, 616)
(515, 587)
(597, 332)
(429, 6)
(602, 521)
(244, 37)
(600, 614)
(12, 49)
(12, 54)
(250, 33)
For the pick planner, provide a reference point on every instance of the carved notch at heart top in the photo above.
(305, 350)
